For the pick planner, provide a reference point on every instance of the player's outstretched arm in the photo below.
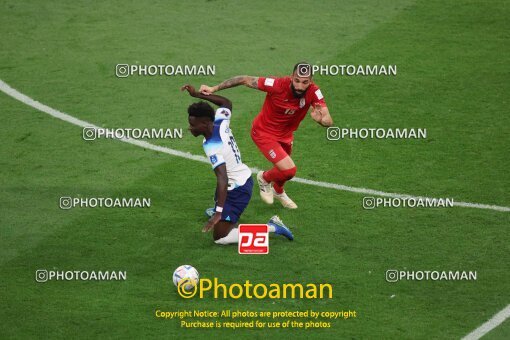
(221, 195)
(232, 82)
(218, 100)
(321, 115)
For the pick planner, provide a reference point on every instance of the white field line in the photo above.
(494, 322)
(4, 87)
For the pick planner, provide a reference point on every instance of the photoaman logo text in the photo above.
(188, 288)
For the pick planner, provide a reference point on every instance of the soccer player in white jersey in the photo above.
(234, 183)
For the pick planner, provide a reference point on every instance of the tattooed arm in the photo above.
(232, 82)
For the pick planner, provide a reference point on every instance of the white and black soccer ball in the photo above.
(186, 274)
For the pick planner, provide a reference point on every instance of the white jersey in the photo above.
(221, 148)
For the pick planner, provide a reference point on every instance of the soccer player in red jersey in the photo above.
(288, 99)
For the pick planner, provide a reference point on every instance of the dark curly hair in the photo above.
(201, 109)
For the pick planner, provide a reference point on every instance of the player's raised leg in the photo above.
(282, 172)
(284, 169)
(288, 171)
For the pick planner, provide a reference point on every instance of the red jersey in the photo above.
(282, 113)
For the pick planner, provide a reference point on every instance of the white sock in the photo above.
(232, 237)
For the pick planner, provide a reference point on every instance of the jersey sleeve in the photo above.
(216, 160)
(214, 146)
(222, 113)
(270, 84)
(318, 98)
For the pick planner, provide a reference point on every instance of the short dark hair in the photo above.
(201, 109)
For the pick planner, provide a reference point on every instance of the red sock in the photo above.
(278, 187)
(272, 175)
(279, 177)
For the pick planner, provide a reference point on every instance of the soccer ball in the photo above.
(188, 275)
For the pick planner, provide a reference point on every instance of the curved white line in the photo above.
(494, 322)
(4, 87)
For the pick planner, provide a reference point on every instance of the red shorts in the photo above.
(271, 148)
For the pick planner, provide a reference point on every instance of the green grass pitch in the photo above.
(453, 79)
